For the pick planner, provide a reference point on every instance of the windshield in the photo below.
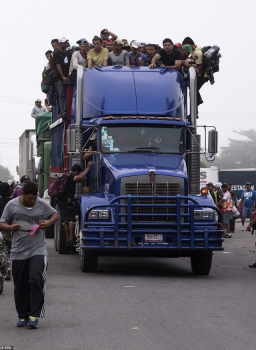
(142, 138)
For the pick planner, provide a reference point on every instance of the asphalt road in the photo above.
(143, 304)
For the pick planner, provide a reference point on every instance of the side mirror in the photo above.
(38, 165)
(213, 142)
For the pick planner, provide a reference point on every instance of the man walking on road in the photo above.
(247, 202)
(27, 217)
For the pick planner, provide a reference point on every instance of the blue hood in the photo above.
(125, 164)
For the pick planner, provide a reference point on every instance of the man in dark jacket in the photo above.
(66, 202)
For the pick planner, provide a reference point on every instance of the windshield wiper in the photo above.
(152, 149)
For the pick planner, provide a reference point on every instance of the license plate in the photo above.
(152, 237)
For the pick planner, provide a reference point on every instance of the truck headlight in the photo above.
(203, 215)
(99, 214)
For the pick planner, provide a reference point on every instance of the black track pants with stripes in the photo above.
(29, 277)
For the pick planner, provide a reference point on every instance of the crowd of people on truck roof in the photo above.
(109, 50)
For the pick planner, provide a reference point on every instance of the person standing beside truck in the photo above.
(27, 217)
(212, 192)
(247, 202)
(66, 202)
(226, 210)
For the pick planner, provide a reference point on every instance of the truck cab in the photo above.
(143, 191)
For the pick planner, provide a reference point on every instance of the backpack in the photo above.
(58, 188)
(51, 77)
(211, 61)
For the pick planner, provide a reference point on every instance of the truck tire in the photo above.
(61, 242)
(60, 236)
(88, 260)
(201, 263)
(56, 229)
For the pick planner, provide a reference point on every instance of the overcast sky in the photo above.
(27, 28)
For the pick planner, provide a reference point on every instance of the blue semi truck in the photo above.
(142, 196)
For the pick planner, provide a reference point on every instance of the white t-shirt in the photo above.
(77, 60)
(227, 198)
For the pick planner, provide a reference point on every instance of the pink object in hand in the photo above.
(34, 229)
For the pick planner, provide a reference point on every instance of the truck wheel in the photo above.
(88, 260)
(56, 229)
(201, 263)
(60, 236)
(62, 248)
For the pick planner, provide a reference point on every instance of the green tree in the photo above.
(239, 154)
(5, 174)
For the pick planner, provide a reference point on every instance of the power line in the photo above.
(17, 98)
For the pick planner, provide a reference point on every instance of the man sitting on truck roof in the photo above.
(79, 58)
(106, 35)
(170, 57)
(136, 57)
(99, 55)
(119, 57)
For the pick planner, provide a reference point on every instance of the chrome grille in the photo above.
(168, 188)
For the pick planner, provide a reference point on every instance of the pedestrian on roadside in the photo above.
(247, 202)
(11, 185)
(213, 193)
(226, 210)
(5, 241)
(27, 217)
(232, 222)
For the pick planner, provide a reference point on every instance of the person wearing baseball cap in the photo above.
(80, 40)
(61, 60)
(18, 191)
(126, 45)
(136, 57)
(187, 48)
(247, 202)
(79, 58)
(119, 57)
